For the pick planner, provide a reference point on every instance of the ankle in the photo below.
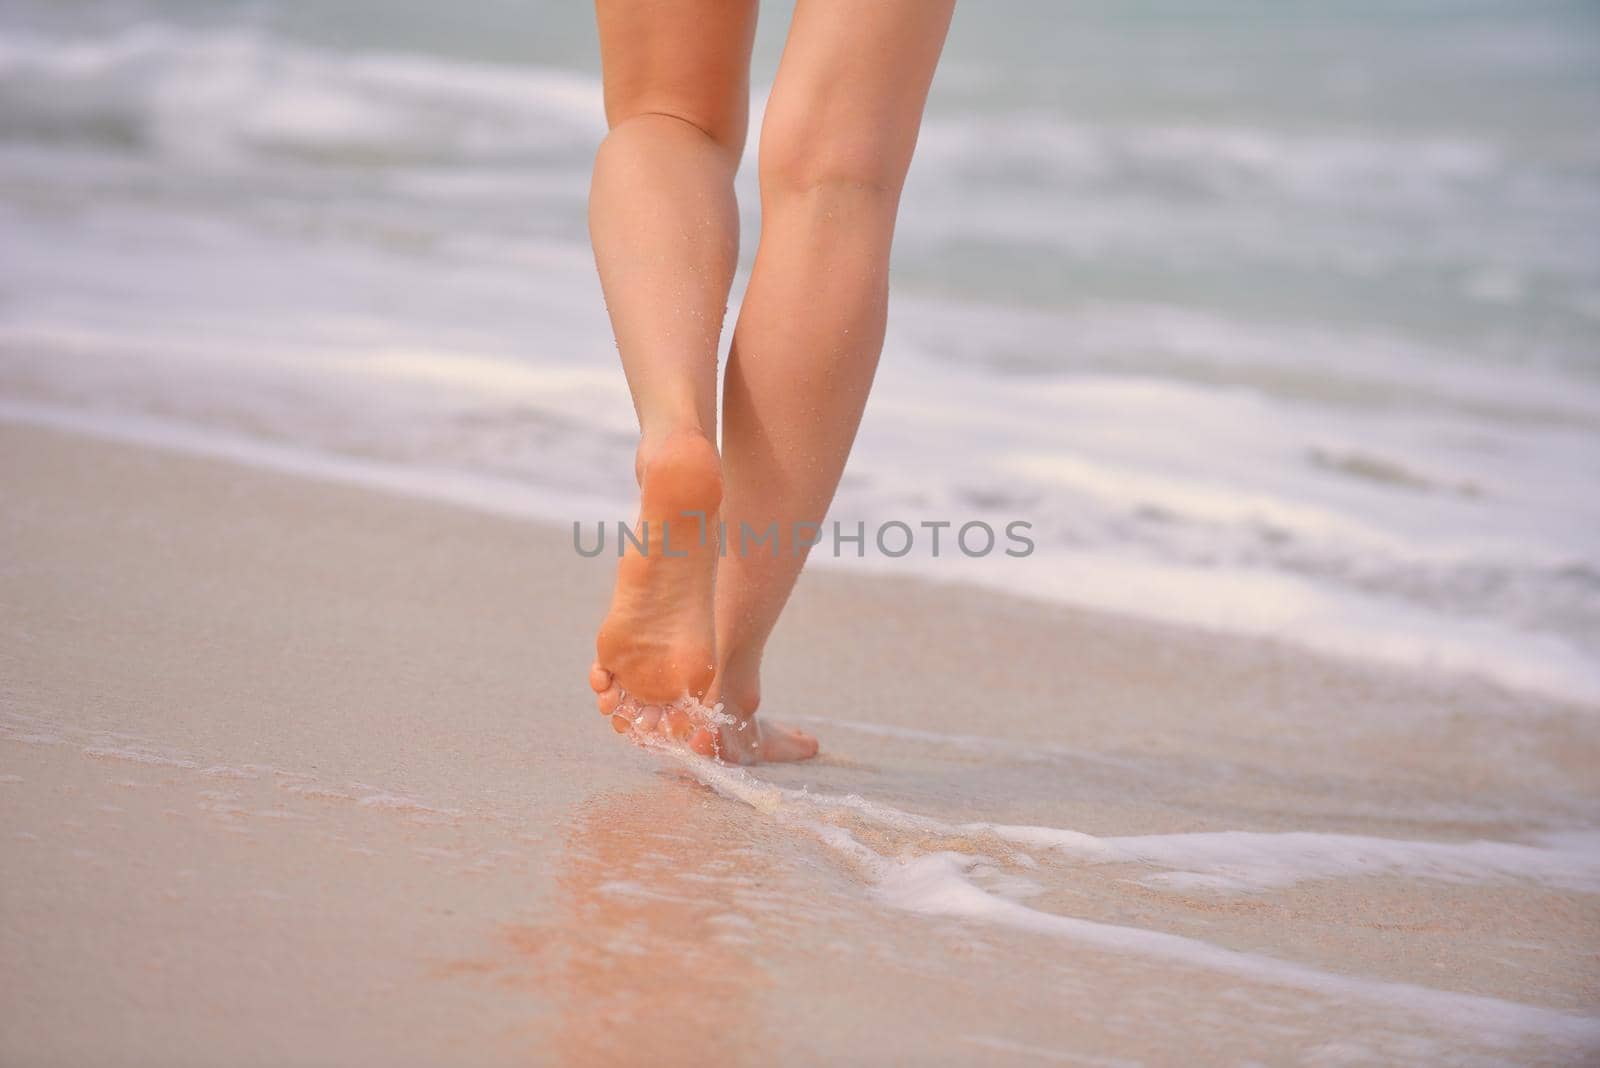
(738, 683)
(689, 469)
(672, 438)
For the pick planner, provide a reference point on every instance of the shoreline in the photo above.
(260, 726)
(547, 506)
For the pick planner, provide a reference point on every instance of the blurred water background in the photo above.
(1270, 315)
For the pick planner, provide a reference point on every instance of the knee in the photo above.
(806, 158)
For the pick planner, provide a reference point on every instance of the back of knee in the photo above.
(720, 122)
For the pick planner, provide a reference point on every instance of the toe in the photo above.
(703, 742)
(599, 678)
(678, 724)
(778, 744)
(649, 717)
(620, 724)
(609, 700)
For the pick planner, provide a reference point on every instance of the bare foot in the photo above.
(655, 648)
(749, 740)
(655, 659)
(714, 726)
(717, 732)
(737, 736)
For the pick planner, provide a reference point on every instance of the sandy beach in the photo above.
(296, 772)
(1274, 326)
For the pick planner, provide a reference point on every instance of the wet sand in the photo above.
(295, 772)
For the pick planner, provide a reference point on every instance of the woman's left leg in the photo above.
(836, 142)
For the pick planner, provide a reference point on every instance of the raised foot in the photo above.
(655, 647)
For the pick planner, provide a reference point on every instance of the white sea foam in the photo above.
(1230, 160)
(1250, 861)
(491, 495)
(940, 884)
(1223, 861)
(973, 743)
(936, 884)
(222, 97)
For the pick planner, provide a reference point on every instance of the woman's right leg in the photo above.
(665, 230)
(836, 141)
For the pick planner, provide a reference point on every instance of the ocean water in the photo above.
(1275, 318)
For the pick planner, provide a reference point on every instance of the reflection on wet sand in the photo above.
(651, 949)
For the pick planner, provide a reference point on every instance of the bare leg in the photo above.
(838, 137)
(665, 230)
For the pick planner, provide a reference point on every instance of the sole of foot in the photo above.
(655, 647)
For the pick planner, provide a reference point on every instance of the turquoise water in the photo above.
(1278, 317)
